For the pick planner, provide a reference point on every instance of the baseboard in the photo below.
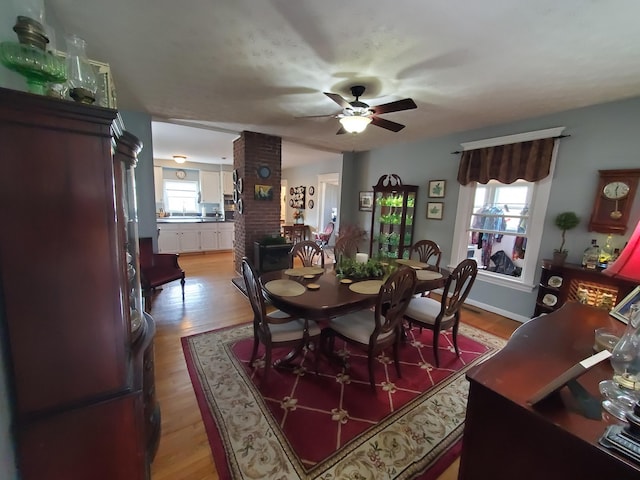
(470, 304)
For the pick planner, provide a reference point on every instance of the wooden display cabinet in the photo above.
(75, 339)
(560, 284)
(392, 220)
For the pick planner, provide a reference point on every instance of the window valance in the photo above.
(530, 161)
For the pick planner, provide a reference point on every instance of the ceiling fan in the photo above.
(357, 115)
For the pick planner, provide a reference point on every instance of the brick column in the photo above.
(261, 217)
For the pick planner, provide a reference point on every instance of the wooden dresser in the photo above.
(78, 349)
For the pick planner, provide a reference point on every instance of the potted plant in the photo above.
(564, 221)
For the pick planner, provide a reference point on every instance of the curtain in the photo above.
(529, 161)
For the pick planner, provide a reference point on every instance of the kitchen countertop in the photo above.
(192, 220)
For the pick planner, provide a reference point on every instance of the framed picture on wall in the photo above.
(622, 311)
(366, 202)
(263, 192)
(436, 188)
(434, 210)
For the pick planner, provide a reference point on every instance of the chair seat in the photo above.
(357, 326)
(156, 276)
(425, 310)
(289, 331)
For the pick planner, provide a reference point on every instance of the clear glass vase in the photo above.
(623, 391)
(81, 76)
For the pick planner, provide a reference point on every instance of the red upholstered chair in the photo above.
(156, 269)
(322, 238)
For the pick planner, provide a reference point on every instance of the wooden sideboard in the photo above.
(505, 438)
(577, 284)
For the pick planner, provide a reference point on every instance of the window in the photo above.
(500, 225)
(181, 197)
(497, 234)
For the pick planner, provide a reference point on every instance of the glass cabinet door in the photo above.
(392, 220)
(125, 158)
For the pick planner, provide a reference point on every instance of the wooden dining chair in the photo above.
(307, 252)
(380, 329)
(444, 314)
(276, 329)
(428, 252)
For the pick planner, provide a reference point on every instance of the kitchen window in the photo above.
(500, 224)
(181, 198)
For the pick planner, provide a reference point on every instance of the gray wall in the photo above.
(602, 137)
(139, 124)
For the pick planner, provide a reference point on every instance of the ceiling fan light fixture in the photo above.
(355, 123)
(180, 158)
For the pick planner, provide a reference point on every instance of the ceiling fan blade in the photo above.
(341, 131)
(317, 116)
(388, 124)
(338, 99)
(397, 106)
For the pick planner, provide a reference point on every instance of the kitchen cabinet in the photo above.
(225, 236)
(76, 340)
(210, 187)
(158, 183)
(227, 183)
(392, 220)
(195, 237)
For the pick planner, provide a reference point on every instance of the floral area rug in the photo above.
(331, 425)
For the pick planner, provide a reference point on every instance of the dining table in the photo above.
(319, 294)
(326, 295)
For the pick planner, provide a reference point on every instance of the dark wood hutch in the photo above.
(77, 346)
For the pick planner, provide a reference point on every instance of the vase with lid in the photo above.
(81, 76)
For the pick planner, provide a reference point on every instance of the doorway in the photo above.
(329, 202)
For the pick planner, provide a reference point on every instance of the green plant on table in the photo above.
(349, 268)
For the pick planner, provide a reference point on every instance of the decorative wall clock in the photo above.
(181, 174)
(264, 172)
(614, 197)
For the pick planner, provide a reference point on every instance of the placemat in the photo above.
(428, 275)
(285, 288)
(412, 263)
(299, 271)
(368, 287)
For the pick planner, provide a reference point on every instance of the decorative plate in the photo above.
(240, 206)
(555, 281)
(236, 196)
(234, 176)
(292, 191)
(311, 204)
(549, 300)
(312, 190)
(239, 185)
(264, 172)
(291, 202)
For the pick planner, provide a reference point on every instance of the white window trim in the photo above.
(524, 283)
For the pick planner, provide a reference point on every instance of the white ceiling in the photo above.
(234, 65)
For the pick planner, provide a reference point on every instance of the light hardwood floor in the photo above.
(211, 302)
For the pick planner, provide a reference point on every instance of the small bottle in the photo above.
(591, 255)
(606, 254)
